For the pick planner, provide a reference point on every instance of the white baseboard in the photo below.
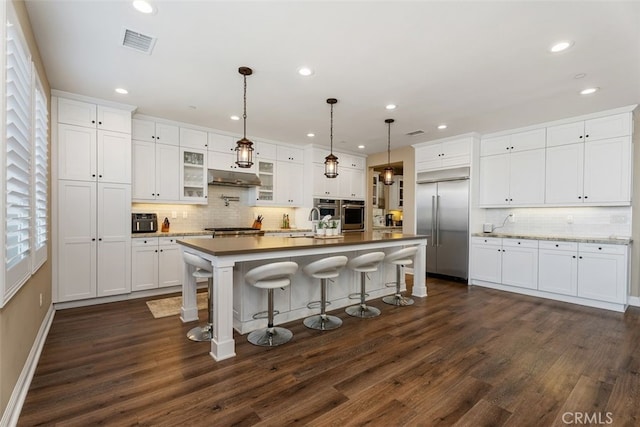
(19, 394)
(634, 301)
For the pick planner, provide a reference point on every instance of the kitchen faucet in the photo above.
(314, 221)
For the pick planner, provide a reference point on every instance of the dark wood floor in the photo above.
(463, 356)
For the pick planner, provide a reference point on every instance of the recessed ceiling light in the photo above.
(311, 135)
(305, 71)
(589, 90)
(560, 46)
(122, 91)
(192, 107)
(235, 117)
(391, 106)
(143, 6)
(580, 76)
(442, 126)
(360, 146)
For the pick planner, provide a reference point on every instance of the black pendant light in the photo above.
(331, 161)
(244, 149)
(387, 174)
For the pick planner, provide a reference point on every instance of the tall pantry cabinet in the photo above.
(92, 203)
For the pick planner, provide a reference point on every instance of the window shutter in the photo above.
(40, 174)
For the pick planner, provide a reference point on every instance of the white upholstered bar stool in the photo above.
(364, 264)
(323, 269)
(203, 270)
(270, 277)
(400, 258)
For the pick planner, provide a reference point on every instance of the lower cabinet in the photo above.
(155, 263)
(585, 273)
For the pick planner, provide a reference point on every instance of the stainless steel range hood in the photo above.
(232, 178)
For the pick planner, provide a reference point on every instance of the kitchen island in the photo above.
(232, 257)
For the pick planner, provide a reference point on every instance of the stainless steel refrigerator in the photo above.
(442, 202)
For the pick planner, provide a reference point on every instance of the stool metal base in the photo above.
(270, 337)
(363, 311)
(201, 333)
(322, 322)
(397, 300)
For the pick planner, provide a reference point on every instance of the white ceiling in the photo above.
(477, 66)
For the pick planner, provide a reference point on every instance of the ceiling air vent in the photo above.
(415, 132)
(137, 41)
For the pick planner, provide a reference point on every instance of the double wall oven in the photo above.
(350, 213)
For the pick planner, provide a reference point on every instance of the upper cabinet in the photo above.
(193, 138)
(443, 155)
(222, 153)
(94, 116)
(589, 130)
(350, 182)
(151, 131)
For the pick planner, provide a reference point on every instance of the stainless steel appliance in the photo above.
(234, 231)
(144, 223)
(442, 212)
(352, 215)
(328, 207)
(388, 220)
(232, 178)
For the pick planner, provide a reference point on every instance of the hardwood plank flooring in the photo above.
(465, 356)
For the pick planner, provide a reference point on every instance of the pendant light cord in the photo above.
(244, 114)
(389, 146)
(331, 130)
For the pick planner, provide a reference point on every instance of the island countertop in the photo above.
(254, 244)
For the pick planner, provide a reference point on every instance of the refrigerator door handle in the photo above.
(438, 220)
(433, 219)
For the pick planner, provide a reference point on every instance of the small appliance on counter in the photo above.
(144, 223)
(388, 220)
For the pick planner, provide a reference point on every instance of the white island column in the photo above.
(420, 271)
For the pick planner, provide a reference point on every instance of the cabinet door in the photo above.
(289, 154)
(169, 266)
(114, 239)
(264, 150)
(564, 174)
(495, 145)
(526, 177)
(113, 119)
(221, 161)
(558, 271)
(167, 134)
(602, 277)
(358, 184)
(608, 127)
(167, 172)
(143, 130)
(569, 133)
(529, 140)
(494, 180)
(144, 266)
(324, 187)
(289, 185)
(486, 263)
(456, 153)
(221, 143)
(144, 170)
(114, 157)
(265, 194)
(77, 243)
(607, 171)
(77, 153)
(193, 176)
(78, 113)
(193, 138)
(520, 266)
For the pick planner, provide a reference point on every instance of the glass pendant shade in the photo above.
(244, 153)
(387, 176)
(331, 166)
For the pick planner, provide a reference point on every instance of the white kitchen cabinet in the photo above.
(93, 116)
(558, 267)
(396, 194)
(323, 187)
(376, 190)
(88, 155)
(521, 141)
(520, 263)
(193, 175)
(227, 161)
(151, 131)
(156, 172)
(589, 130)
(94, 240)
(444, 155)
(486, 259)
(350, 183)
(265, 194)
(193, 138)
(602, 272)
(265, 150)
(564, 174)
(221, 143)
(289, 154)
(156, 263)
(289, 190)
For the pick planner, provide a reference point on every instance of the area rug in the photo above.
(171, 306)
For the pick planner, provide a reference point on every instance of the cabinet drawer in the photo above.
(602, 249)
(487, 241)
(520, 243)
(144, 241)
(169, 240)
(558, 246)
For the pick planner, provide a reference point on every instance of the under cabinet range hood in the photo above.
(232, 178)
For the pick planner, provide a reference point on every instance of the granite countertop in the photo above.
(256, 244)
(383, 227)
(287, 230)
(171, 234)
(602, 240)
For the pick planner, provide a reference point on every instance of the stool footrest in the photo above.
(318, 304)
(390, 284)
(264, 314)
(357, 295)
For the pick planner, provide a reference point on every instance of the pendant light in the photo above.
(331, 161)
(244, 149)
(387, 174)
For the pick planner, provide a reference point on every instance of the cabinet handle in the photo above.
(99, 176)
(512, 148)
(557, 246)
(573, 256)
(100, 239)
(161, 250)
(158, 194)
(157, 137)
(93, 239)
(511, 200)
(519, 243)
(156, 251)
(580, 257)
(580, 136)
(99, 123)
(145, 241)
(586, 136)
(506, 200)
(599, 249)
(579, 197)
(93, 175)
(586, 197)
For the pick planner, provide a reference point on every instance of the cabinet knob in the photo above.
(519, 243)
(586, 197)
(156, 251)
(157, 137)
(153, 194)
(579, 197)
(580, 257)
(93, 239)
(99, 123)
(158, 194)
(93, 121)
(153, 137)
(100, 239)
(573, 256)
(586, 136)
(580, 136)
(99, 176)
(599, 249)
(93, 175)
(512, 148)
(506, 200)
(557, 246)
(161, 250)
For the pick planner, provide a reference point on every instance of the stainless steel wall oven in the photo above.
(352, 215)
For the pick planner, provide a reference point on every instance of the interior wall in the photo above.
(406, 155)
(22, 316)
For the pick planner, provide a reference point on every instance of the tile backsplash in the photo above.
(568, 221)
(216, 213)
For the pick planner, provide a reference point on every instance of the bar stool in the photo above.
(269, 277)
(366, 263)
(400, 258)
(324, 269)
(203, 269)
